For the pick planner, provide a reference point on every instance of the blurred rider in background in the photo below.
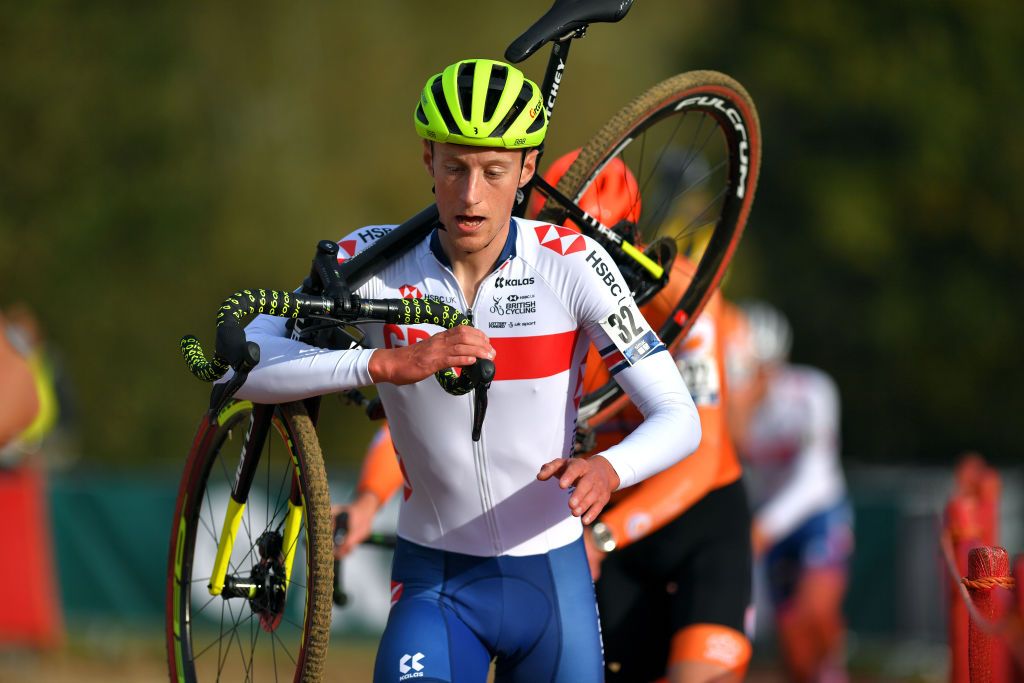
(785, 423)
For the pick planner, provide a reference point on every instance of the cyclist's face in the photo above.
(475, 190)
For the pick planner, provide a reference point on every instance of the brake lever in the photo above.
(245, 361)
(483, 373)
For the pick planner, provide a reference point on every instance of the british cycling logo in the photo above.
(409, 666)
(515, 304)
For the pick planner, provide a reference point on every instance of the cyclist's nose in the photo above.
(472, 188)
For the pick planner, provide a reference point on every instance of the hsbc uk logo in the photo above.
(346, 250)
(559, 239)
(410, 292)
(409, 666)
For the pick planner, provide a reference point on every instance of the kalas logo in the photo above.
(512, 282)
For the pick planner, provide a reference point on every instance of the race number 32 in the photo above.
(625, 325)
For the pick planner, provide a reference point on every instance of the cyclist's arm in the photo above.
(379, 479)
(381, 475)
(290, 370)
(643, 368)
(654, 502)
(19, 400)
(817, 479)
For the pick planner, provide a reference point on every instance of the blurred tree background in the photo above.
(155, 157)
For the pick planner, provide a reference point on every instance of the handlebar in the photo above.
(334, 304)
(235, 352)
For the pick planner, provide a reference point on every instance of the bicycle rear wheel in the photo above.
(280, 629)
(693, 146)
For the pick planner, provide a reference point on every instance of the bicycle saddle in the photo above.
(564, 17)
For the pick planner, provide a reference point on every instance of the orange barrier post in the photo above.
(962, 532)
(988, 568)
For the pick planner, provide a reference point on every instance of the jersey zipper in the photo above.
(480, 460)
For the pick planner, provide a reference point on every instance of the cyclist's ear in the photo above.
(529, 167)
(428, 156)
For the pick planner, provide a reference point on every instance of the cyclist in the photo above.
(673, 588)
(785, 420)
(490, 561)
(671, 555)
(28, 398)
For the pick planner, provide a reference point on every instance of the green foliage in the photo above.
(886, 222)
(155, 157)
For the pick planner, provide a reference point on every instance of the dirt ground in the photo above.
(145, 663)
(99, 657)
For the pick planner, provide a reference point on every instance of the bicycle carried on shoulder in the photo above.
(250, 576)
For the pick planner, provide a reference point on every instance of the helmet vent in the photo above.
(514, 111)
(499, 77)
(437, 92)
(465, 87)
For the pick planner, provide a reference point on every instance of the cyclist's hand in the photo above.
(595, 556)
(457, 347)
(360, 521)
(594, 479)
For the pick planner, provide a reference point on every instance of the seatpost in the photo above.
(557, 60)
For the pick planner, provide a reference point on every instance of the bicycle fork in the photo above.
(271, 577)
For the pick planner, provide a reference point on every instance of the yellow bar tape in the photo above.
(641, 258)
(232, 518)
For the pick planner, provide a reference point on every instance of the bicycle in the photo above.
(264, 551)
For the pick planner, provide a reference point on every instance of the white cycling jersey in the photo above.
(791, 450)
(483, 498)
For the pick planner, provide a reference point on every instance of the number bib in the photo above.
(630, 332)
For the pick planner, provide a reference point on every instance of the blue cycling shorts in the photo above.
(824, 541)
(451, 614)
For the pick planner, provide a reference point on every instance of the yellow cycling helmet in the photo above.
(482, 102)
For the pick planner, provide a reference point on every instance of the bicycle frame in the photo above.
(260, 423)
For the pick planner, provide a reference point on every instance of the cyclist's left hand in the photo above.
(594, 479)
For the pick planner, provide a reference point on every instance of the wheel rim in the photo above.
(231, 638)
(692, 145)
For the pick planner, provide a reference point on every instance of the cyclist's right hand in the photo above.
(456, 347)
(361, 512)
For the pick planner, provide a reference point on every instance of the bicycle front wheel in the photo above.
(272, 619)
(692, 146)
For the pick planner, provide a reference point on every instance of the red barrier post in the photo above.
(1018, 577)
(961, 521)
(989, 488)
(988, 568)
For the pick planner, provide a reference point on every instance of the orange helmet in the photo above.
(612, 197)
